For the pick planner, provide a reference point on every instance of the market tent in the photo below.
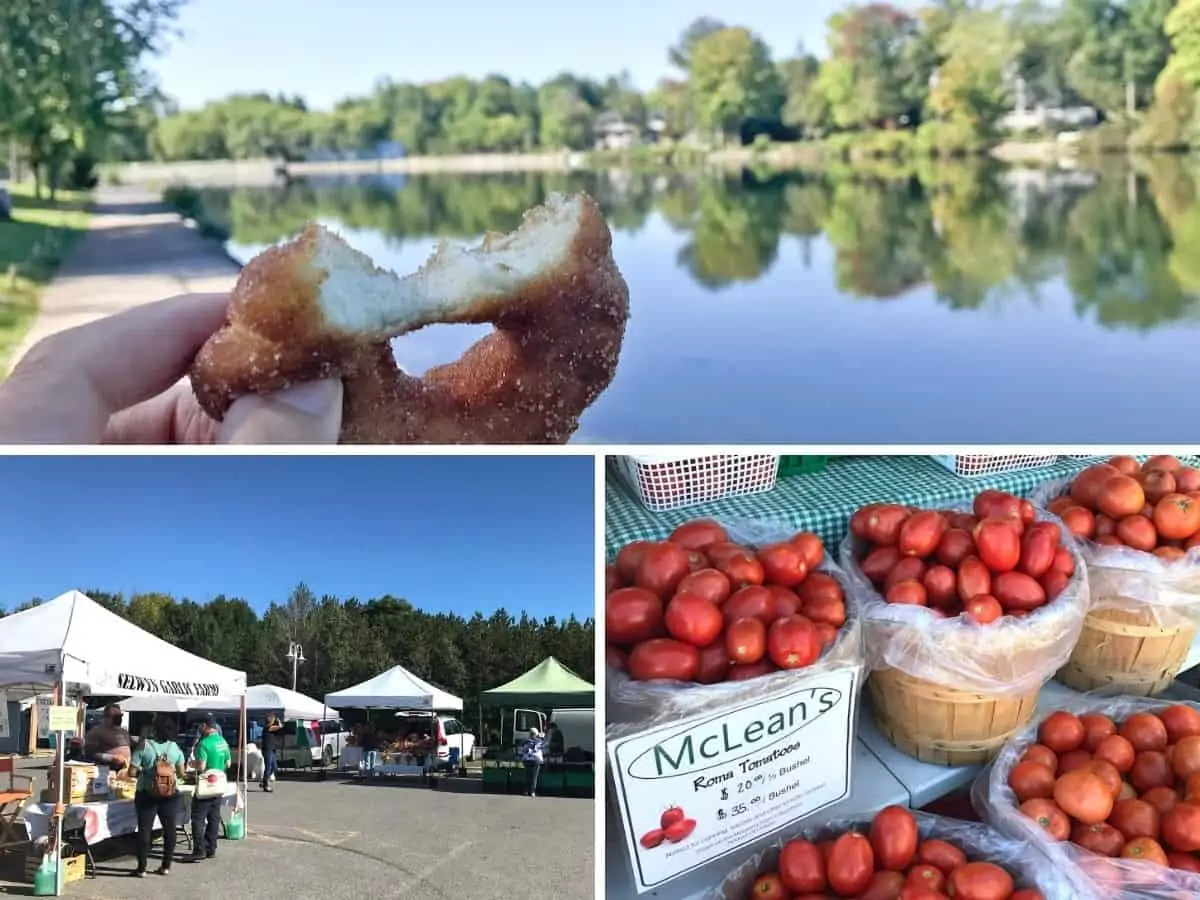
(397, 688)
(160, 704)
(272, 698)
(548, 684)
(73, 639)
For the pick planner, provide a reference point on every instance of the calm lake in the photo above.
(954, 305)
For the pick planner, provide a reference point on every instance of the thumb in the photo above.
(309, 413)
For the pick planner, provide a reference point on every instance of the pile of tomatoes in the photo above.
(889, 862)
(700, 608)
(1129, 790)
(1152, 506)
(994, 561)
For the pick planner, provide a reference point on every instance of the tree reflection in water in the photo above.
(1126, 242)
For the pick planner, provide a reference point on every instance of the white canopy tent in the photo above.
(73, 640)
(160, 704)
(397, 688)
(272, 698)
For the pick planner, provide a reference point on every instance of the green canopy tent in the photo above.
(549, 684)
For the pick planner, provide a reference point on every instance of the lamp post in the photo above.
(296, 655)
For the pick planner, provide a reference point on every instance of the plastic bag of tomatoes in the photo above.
(755, 606)
(1140, 533)
(901, 854)
(1111, 786)
(1011, 652)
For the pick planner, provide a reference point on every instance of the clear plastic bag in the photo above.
(1119, 879)
(1152, 591)
(1010, 657)
(641, 704)
(979, 842)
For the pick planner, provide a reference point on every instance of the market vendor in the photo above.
(108, 742)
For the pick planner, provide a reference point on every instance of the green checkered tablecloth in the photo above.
(823, 502)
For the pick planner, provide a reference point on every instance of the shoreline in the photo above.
(265, 172)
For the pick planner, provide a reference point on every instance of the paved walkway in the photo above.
(136, 251)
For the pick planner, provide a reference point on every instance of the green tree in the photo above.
(970, 86)
(804, 107)
(680, 55)
(732, 80)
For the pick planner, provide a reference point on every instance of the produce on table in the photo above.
(993, 562)
(700, 608)
(887, 860)
(1152, 506)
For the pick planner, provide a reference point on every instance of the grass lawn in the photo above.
(32, 246)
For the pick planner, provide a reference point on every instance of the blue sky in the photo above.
(326, 50)
(455, 534)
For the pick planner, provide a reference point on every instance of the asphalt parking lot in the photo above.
(336, 839)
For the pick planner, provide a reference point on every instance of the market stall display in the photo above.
(1141, 525)
(899, 854)
(966, 613)
(1110, 785)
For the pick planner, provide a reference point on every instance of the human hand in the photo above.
(118, 380)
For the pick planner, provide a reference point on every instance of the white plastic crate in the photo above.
(676, 482)
(973, 466)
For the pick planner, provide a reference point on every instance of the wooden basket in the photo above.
(939, 724)
(1127, 648)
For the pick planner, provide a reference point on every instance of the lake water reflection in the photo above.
(958, 305)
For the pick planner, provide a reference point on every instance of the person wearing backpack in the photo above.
(211, 759)
(159, 767)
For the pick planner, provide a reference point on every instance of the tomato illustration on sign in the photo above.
(674, 826)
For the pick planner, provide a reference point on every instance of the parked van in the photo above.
(578, 727)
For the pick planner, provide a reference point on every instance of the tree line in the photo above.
(1123, 240)
(73, 86)
(347, 640)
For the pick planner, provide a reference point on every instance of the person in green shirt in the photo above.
(157, 797)
(211, 755)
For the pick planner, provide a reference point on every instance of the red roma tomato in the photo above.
(1104, 526)
(997, 504)
(714, 663)
(614, 658)
(1183, 861)
(983, 609)
(1043, 755)
(663, 658)
(908, 569)
(746, 641)
(1121, 496)
(810, 546)
(741, 570)
(979, 881)
(1135, 819)
(894, 838)
(628, 558)
(883, 886)
(1062, 732)
(955, 546)
(1054, 583)
(1187, 480)
(820, 586)
(1079, 521)
(723, 550)
(1102, 838)
(962, 521)
(698, 534)
(752, 600)
(826, 634)
(1095, 729)
(696, 561)
(909, 593)
(878, 563)
(783, 564)
(1161, 798)
(745, 673)
(632, 615)
(769, 887)
(1181, 721)
(793, 643)
(1028, 513)
(941, 587)
(784, 602)
(693, 620)
(1118, 751)
(998, 544)
(826, 610)
(1085, 489)
(1181, 828)
(860, 519)
(1157, 485)
(1016, 590)
(652, 838)
(677, 831)
(1185, 761)
(802, 867)
(1027, 894)
(1063, 561)
(1126, 465)
(941, 854)
(1177, 516)
(973, 579)
(921, 532)
(883, 523)
(1145, 849)
(612, 579)
(662, 567)
(916, 892)
(1038, 544)
(710, 584)
(926, 876)
(1150, 770)
(1031, 781)
(851, 864)
(1072, 760)
(1145, 731)
(1047, 816)
(1137, 532)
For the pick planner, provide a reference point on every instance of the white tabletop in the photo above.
(871, 788)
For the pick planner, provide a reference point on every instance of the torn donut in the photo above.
(316, 308)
